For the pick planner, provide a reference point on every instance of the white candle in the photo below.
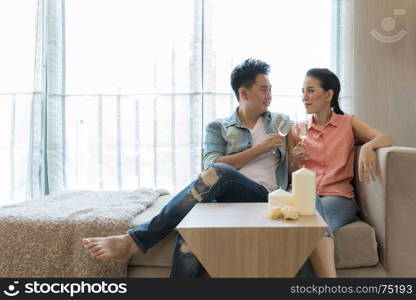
(304, 191)
(279, 198)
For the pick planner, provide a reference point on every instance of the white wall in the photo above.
(384, 76)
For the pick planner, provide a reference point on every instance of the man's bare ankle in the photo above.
(133, 248)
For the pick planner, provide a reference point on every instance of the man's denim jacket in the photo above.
(227, 136)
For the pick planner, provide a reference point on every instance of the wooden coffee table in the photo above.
(239, 240)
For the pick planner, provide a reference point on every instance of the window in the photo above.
(122, 90)
(149, 79)
(292, 36)
(133, 93)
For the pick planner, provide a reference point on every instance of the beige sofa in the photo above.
(381, 243)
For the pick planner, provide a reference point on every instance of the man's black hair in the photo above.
(245, 74)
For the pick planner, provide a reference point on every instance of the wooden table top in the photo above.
(242, 215)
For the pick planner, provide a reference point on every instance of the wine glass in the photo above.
(302, 129)
(283, 129)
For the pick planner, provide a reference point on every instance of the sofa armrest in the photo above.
(388, 204)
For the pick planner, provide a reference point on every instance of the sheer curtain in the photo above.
(133, 93)
(20, 124)
(120, 91)
(346, 53)
(146, 95)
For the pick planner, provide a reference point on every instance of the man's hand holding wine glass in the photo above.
(272, 142)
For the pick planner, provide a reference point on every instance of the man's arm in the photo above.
(215, 148)
(239, 160)
(214, 144)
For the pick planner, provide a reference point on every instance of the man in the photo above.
(241, 165)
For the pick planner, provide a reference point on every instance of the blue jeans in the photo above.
(337, 211)
(221, 183)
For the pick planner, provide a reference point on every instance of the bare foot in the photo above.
(119, 248)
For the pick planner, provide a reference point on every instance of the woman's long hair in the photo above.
(329, 81)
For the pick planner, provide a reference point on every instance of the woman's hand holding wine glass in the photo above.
(300, 153)
(302, 129)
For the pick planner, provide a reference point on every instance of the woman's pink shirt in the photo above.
(331, 151)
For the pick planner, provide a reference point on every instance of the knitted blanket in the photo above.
(42, 238)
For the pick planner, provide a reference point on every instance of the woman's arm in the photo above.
(373, 140)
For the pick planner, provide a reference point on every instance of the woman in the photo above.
(328, 151)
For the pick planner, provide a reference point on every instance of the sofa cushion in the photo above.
(161, 254)
(355, 246)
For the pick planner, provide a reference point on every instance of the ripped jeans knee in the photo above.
(205, 181)
(185, 264)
